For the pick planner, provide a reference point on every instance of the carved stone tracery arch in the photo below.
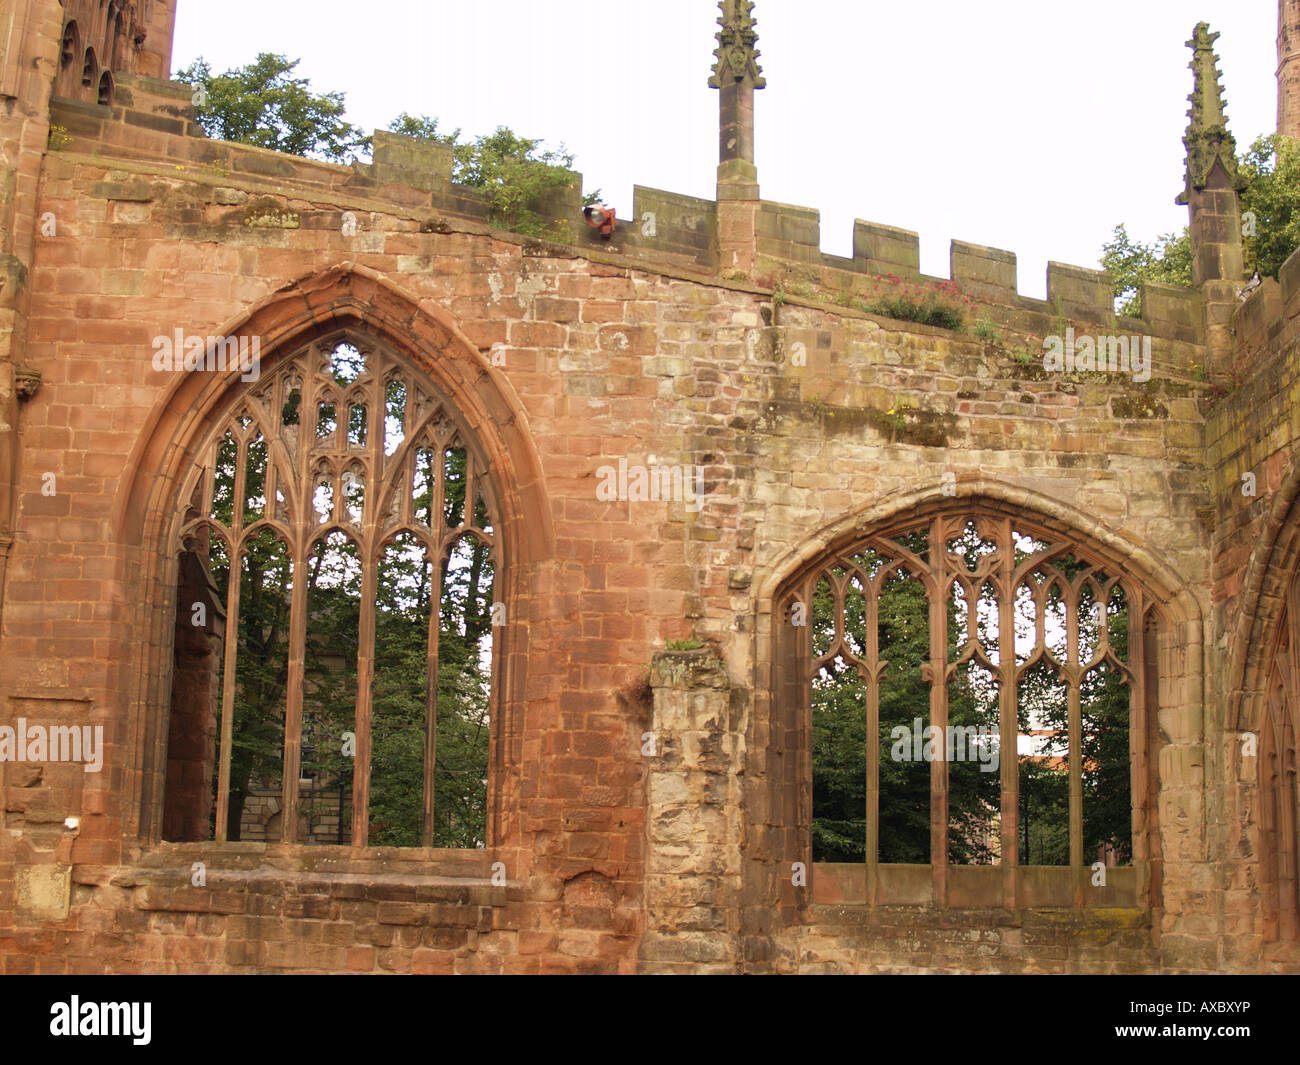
(308, 454)
(1164, 636)
(350, 298)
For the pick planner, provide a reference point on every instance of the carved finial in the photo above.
(1207, 138)
(737, 58)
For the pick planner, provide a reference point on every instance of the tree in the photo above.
(1270, 208)
(1272, 168)
(264, 105)
(1166, 261)
(516, 173)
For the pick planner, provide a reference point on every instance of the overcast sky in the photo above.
(1027, 125)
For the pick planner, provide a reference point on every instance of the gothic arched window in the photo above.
(334, 667)
(974, 698)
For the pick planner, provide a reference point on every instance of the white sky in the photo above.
(1029, 125)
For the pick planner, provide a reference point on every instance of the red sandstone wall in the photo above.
(603, 360)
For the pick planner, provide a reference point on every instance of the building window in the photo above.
(89, 70)
(974, 696)
(334, 667)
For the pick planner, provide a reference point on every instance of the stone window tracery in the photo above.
(340, 554)
(975, 696)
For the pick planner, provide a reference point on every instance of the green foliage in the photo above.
(1167, 261)
(927, 311)
(264, 105)
(936, 305)
(401, 674)
(516, 173)
(421, 127)
(839, 739)
(1272, 171)
(685, 645)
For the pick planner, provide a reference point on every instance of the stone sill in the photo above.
(974, 887)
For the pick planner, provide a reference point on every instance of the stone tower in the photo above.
(1288, 68)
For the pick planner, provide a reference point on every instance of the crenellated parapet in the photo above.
(154, 121)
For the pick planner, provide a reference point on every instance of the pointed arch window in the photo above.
(341, 557)
(974, 699)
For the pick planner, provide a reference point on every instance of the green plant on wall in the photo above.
(516, 174)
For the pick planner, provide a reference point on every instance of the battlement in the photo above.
(792, 235)
(154, 120)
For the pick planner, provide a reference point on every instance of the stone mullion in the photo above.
(495, 684)
(939, 711)
(303, 528)
(802, 785)
(1138, 760)
(228, 697)
(236, 566)
(438, 500)
(365, 701)
(431, 698)
(208, 484)
(371, 527)
(437, 527)
(1008, 704)
(471, 489)
(871, 677)
(1074, 678)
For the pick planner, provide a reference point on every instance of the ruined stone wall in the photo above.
(1251, 436)
(643, 814)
